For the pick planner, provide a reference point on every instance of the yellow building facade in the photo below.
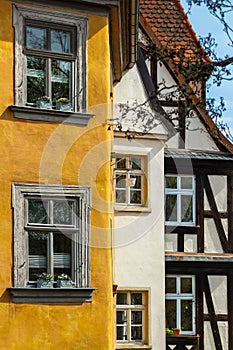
(55, 173)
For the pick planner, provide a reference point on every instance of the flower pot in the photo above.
(44, 284)
(176, 332)
(44, 104)
(63, 106)
(114, 287)
(64, 284)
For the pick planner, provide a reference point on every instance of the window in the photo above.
(180, 303)
(51, 233)
(130, 180)
(131, 314)
(179, 200)
(50, 53)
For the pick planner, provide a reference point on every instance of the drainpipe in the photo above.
(133, 32)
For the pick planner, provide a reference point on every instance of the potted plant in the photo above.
(64, 281)
(45, 280)
(176, 331)
(169, 331)
(63, 104)
(44, 102)
(114, 287)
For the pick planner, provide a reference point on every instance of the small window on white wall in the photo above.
(180, 200)
(130, 181)
(180, 303)
(131, 314)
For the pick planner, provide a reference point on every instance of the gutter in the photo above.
(133, 32)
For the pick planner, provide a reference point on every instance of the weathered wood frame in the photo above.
(82, 245)
(22, 13)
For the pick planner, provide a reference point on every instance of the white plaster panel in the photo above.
(212, 242)
(173, 142)
(219, 188)
(218, 288)
(164, 75)
(130, 92)
(197, 137)
(190, 243)
(170, 242)
(208, 336)
(130, 87)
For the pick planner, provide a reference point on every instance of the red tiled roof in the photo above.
(167, 20)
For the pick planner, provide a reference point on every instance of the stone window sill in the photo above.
(51, 295)
(129, 208)
(133, 346)
(51, 115)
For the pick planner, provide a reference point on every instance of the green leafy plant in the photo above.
(63, 277)
(44, 98)
(45, 276)
(169, 331)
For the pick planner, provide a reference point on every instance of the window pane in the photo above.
(61, 79)
(136, 298)
(35, 38)
(60, 41)
(35, 78)
(186, 182)
(136, 333)
(120, 163)
(120, 181)
(138, 181)
(120, 196)
(121, 320)
(37, 247)
(186, 208)
(63, 212)
(136, 163)
(121, 298)
(171, 314)
(171, 181)
(136, 317)
(171, 207)
(186, 285)
(170, 285)
(186, 315)
(38, 211)
(121, 317)
(135, 197)
(62, 254)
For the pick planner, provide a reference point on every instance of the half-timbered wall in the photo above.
(205, 250)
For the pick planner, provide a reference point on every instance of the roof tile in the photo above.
(166, 18)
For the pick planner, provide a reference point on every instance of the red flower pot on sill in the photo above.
(176, 332)
(114, 287)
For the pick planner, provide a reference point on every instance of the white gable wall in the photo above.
(197, 137)
(139, 234)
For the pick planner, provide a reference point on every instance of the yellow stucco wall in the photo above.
(42, 152)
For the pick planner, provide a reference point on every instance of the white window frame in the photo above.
(130, 173)
(179, 192)
(80, 229)
(20, 15)
(178, 296)
(128, 308)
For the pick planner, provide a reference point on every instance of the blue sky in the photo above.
(203, 23)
